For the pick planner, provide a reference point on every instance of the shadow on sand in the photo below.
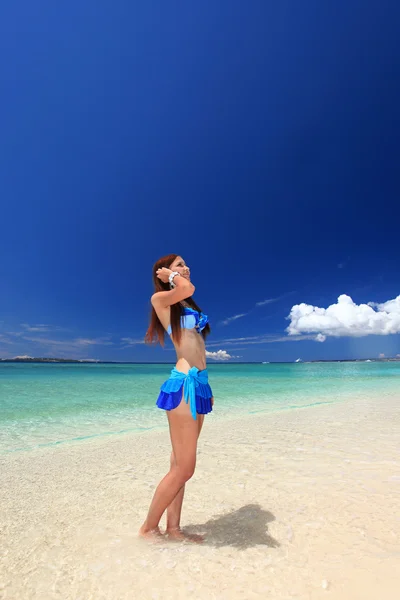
(242, 528)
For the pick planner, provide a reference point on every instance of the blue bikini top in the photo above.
(191, 319)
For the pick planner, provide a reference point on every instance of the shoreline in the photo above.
(294, 503)
(226, 414)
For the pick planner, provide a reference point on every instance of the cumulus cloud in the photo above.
(219, 355)
(320, 337)
(345, 318)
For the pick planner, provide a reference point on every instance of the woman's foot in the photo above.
(180, 536)
(153, 535)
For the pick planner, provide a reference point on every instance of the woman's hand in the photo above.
(163, 274)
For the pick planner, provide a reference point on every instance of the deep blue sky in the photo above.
(259, 140)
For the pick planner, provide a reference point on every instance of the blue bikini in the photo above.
(196, 388)
(191, 319)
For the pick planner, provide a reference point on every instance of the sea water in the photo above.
(44, 404)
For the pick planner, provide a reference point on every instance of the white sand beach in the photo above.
(295, 504)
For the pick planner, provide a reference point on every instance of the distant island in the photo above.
(50, 360)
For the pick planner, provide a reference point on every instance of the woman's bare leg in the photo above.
(175, 508)
(184, 431)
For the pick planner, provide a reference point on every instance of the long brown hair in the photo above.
(155, 332)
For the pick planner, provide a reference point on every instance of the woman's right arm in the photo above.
(183, 289)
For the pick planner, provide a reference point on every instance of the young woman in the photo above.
(186, 395)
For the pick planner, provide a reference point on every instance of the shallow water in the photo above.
(49, 404)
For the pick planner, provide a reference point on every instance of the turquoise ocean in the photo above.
(42, 405)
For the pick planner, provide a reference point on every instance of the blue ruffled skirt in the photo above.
(186, 383)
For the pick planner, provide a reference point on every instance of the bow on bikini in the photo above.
(201, 318)
(191, 381)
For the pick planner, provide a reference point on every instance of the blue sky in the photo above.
(260, 141)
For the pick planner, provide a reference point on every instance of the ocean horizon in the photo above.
(220, 363)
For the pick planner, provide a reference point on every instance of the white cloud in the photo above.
(345, 318)
(259, 339)
(268, 301)
(219, 355)
(230, 319)
(128, 341)
(262, 303)
(76, 343)
(104, 341)
(320, 337)
(42, 328)
(271, 300)
(25, 342)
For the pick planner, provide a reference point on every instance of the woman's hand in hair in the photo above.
(163, 274)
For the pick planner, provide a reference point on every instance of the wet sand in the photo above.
(295, 504)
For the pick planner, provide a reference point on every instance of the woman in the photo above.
(186, 395)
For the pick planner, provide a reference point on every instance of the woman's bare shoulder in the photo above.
(162, 312)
